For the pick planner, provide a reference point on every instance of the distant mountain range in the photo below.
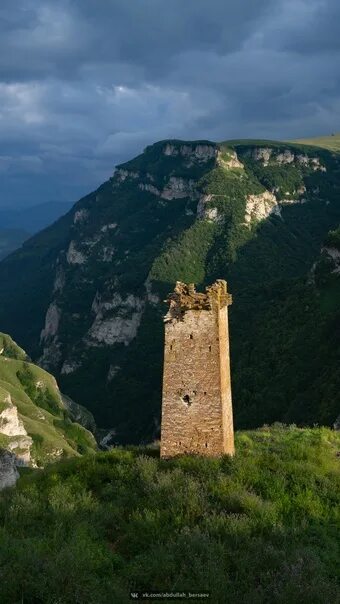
(33, 218)
(84, 296)
(18, 224)
(10, 240)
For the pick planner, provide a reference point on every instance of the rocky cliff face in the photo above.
(8, 469)
(12, 427)
(89, 301)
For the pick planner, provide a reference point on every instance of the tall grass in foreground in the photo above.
(262, 527)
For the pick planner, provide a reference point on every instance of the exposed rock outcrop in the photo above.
(198, 152)
(259, 207)
(334, 255)
(108, 227)
(151, 297)
(51, 322)
(59, 281)
(10, 423)
(229, 160)
(18, 443)
(113, 370)
(75, 256)
(117, 320)
(79, 414)
(150, 188)
(107, 253)
(205, 211)
(262, 154)
(121, 174)
(51, 356)
(176, 188)
(268, 155)
(80, 216)
(8, 469)
(69, 366)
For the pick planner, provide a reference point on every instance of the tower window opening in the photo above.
(209, 348)
(191, 336)
(187, 400)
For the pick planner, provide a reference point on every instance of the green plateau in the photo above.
(331, 142)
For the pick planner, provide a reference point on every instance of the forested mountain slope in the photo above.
(85, 295)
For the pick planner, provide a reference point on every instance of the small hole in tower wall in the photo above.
(191, 336)
(187, 400)
(209, 348)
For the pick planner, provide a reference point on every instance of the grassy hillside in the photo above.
(36, 396)
(261, 528)
(332, 143)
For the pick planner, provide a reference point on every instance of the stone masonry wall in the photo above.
(197, 407)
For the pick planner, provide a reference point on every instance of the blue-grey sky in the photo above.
(86, 84)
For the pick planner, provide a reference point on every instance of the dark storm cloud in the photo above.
(85, 84)
(62, 38)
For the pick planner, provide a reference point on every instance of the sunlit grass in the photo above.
(332, 143)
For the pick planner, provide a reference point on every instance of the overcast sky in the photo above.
(86, 84)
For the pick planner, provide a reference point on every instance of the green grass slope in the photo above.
(35, 394)
(261, 528)
(332, 143)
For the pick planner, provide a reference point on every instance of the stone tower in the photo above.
(197, 407)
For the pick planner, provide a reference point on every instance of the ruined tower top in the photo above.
(185, 297)
(196, 405)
